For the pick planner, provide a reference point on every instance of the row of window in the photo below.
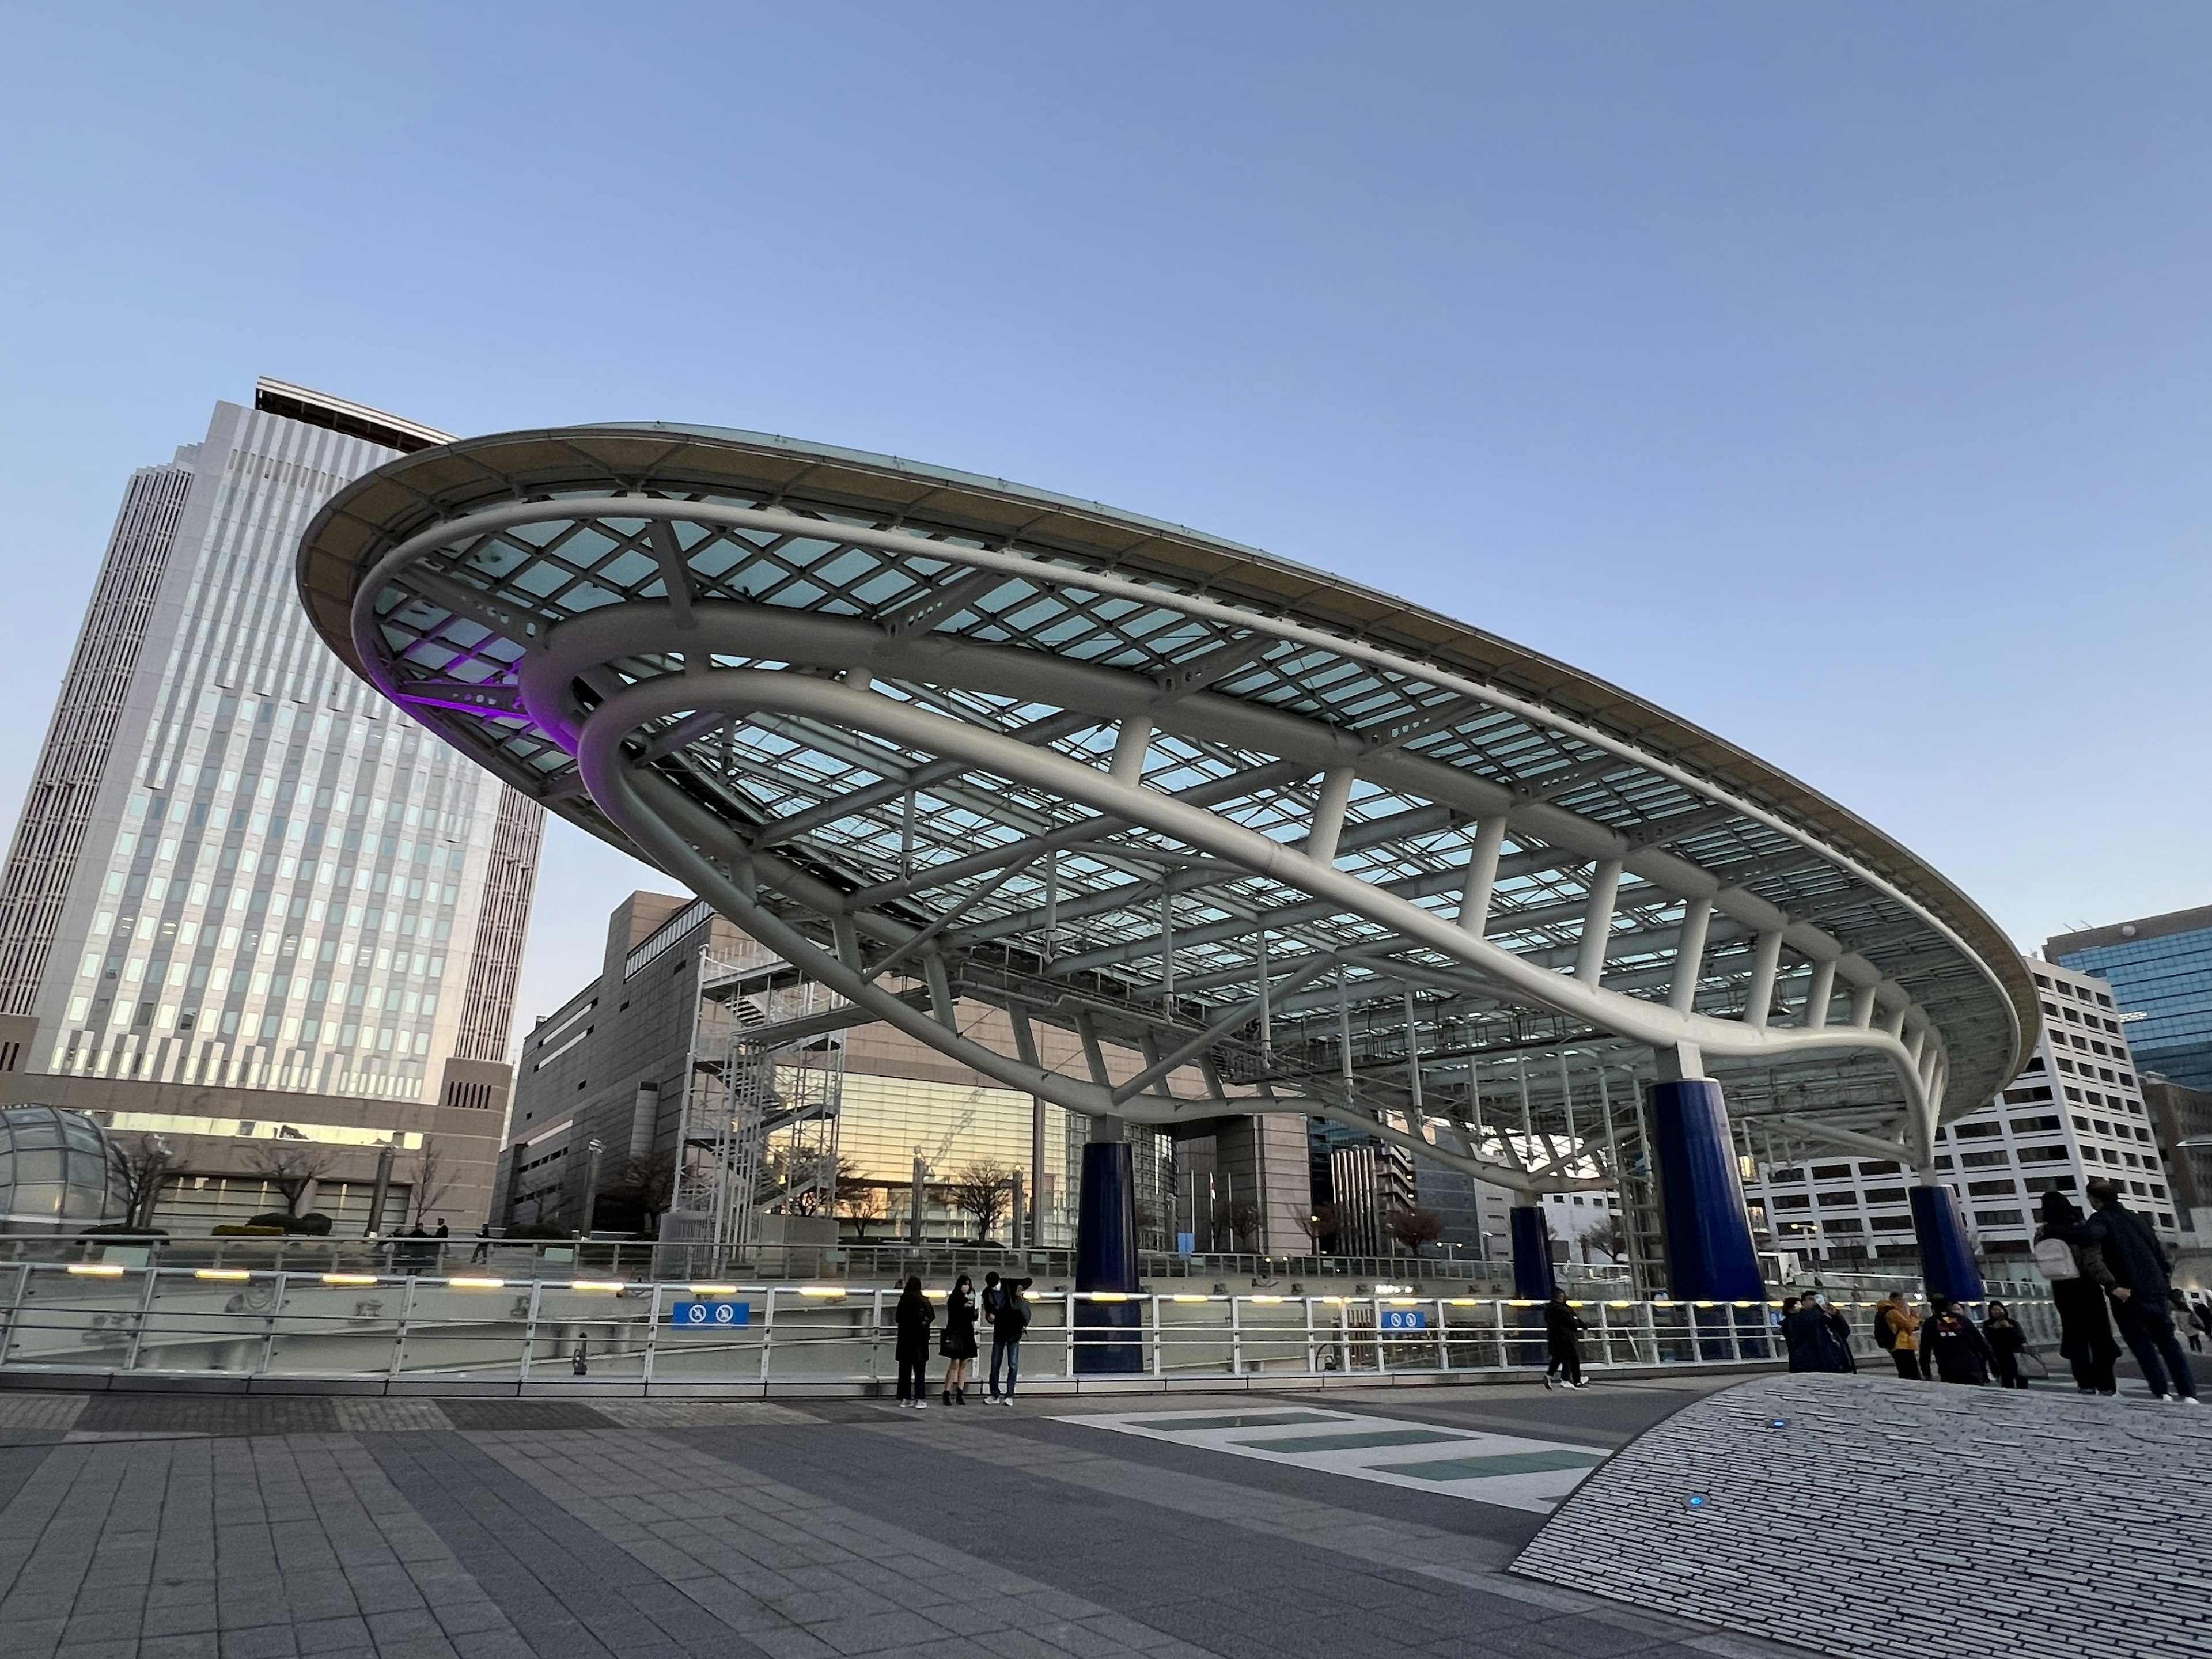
(2066, 990)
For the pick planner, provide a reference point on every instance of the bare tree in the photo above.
(1610, 1234)
(432, 1181)
(864, 1205)
(1242, 1220)
(145, 1169)
(1321, 1225)
(1414, 1227)
(645, 1184)
(292, 1167)
(819, 1181)
(982, 1192)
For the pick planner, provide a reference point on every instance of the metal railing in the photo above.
(402, 1329)
(647, 1261)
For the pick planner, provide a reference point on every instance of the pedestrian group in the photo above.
(1004, 1306)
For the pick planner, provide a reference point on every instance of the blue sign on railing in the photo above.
(1405, 1319)
(722, 1314)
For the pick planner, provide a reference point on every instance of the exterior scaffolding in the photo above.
(759, 1131)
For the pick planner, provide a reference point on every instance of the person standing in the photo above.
(1563, 1328)
(957, 1343)
(2007, 1342)
(1896, 1328)
(1007, 1324)
(993, 1295)
(2078, 1279)
(913, 1317)
(1953, 1344)
(1819, 1337)
(2140, 1291)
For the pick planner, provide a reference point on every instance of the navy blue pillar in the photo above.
(1709, 1257)
(1109, 1335)
(1532, 1253)
(1946, 1260)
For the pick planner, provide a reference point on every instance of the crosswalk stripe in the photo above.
(1512, 1471)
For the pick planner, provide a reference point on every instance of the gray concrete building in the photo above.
(245, 888)
(614, 1063)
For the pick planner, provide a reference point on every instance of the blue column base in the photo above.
(1946, 1260)
(1710, 1254)
(1533, 1280)
(1532, 1253)
(1109, 1335)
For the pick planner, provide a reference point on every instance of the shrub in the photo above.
(539, 1230)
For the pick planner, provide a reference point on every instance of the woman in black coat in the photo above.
(1563, 1327)
(2008, 1341)
(957, 1343)
(914, 1317)
(2084, 1321)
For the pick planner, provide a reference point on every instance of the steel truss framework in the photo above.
(982, 759)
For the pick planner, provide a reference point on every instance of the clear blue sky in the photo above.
(1839, 377)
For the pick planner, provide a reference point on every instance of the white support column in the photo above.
(1328, 814)
(1822, 993)
(1690, 954)
(1863, 1006)
(1765, 959)
(1893, 1021)
(1133, 740)
(1481, 874)
(1597, 920)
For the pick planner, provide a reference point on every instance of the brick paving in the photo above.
(2050, 1524)
(183, 1527)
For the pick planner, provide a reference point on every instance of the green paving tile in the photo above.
(1249, 1420)
(1497, 1463)
(1318, 1443)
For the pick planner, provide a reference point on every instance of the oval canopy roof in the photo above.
(508, 589)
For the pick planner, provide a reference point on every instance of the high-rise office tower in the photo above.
(2160, 970)
(238, 866)
(2076, 1111)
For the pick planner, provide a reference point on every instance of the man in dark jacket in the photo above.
(1819, 1337)
(1009, 1320)
(1952, 1346)
(1563, 1330)
(2141, 1290)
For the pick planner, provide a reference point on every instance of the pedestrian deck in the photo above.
(1863, 1514)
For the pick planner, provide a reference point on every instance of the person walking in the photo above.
(1007, 1324)
(2200, 1319)
(1563, 1327)
(1819, 1337)
(1956, 1350)
(2078, 1278)
(482, 1251)
(915, 1316)
(1896, 1328)
(958, 1342)
(2007, 1342)
(2141, 1290)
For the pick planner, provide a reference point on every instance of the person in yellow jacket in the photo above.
(1896, 1328)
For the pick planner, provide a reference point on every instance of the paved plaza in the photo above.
(2034, 1525)
(1660, 1516)
(175, 1527)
